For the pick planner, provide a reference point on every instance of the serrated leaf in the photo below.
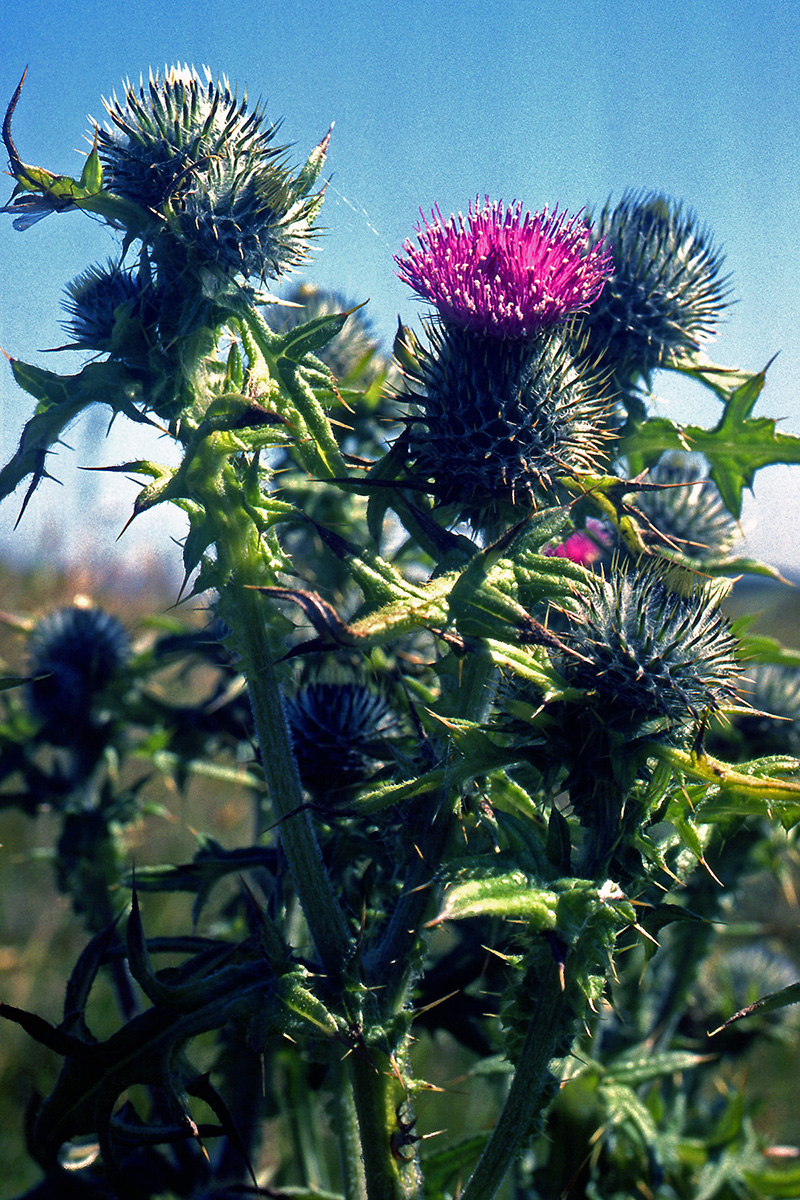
(61, 399)
(309, 173)
(737, 446)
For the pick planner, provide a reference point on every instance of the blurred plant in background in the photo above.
(463, 645)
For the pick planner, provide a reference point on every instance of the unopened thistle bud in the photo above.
(499, 421)
(686, 511)
(649, 657)
(666, 291)
(74, 654)
(191, 153)
(645, 653)
(338, 731)
(93, 302)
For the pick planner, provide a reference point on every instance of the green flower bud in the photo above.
(645, 653)
(773, 691)
(93, 301)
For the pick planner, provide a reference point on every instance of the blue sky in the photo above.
(548, 103)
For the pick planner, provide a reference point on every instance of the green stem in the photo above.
(350, 1158)
(528, 1094)
(378, 1093)
(242, 608)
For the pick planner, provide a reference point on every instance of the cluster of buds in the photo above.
(195, 178)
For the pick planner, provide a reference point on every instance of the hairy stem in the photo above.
(390, 1168)
(243, 609)
(529, 1093)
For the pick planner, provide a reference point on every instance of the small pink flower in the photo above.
(583, 547)
(504, 275)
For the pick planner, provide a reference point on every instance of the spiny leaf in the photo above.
(775, 1000)
(737, 446)
(61, 399)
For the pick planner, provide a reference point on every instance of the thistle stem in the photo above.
(377, 1091)
(351, 1161)
(528, 1093)
(243, 610)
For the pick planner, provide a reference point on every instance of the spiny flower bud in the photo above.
(500, 421)
(93, 300)
(686, 512)
(644, 652)
(666, 291)
(74, 653)
(503, 275)
(193, 154)
(338, 731)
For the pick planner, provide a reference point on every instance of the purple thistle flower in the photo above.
(504, 275)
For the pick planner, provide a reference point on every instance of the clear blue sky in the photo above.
(545, 102)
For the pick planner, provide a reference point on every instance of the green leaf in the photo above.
(507, 895)
(770, 1003)
(643, 1065)
(312, 336)
(61, 399)
(720, 380)
(735, 448)
(776, 1182)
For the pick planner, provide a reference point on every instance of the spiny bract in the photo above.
(499, 421)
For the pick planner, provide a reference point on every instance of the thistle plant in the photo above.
(463, 652)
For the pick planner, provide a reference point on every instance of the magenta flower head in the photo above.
(503, 275)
